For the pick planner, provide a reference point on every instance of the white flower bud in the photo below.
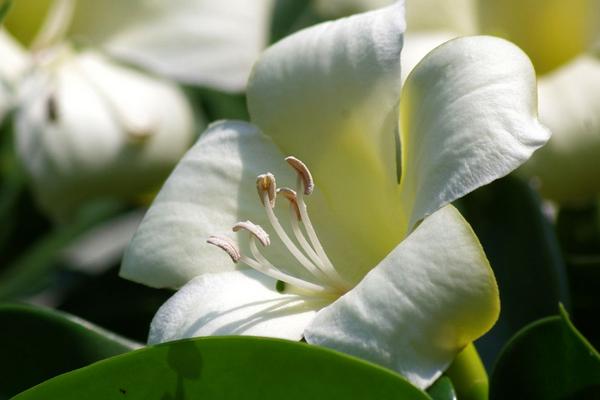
(89, 128)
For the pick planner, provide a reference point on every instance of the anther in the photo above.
(266, 183)
(303, 172)
(226, 245)
(290, 195)
(256, 230)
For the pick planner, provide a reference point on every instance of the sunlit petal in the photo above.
(431, 296)
(469, 116)
(329, 96)
(232, 303)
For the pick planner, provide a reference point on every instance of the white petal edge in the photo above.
(468, 116)
(567, 168)
(202, 42)
(430, 297)
(231, 303)
(212, 188)
(418, 44)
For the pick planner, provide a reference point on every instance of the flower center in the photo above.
(322, 277)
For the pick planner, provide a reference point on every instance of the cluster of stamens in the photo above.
(309, 253)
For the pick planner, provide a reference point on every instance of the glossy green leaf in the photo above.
(548, 359)
(442, 389)
(524, 253)
(228, 368)
(37, 344)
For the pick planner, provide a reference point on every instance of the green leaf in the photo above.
(524, 253)
(442, 389)
(228, 368)
(548, 360)
(37, 344)
(4, 7)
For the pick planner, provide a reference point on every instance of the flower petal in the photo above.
(329, 96)
(568, 167)
(212, 188)
(88, 128)
(431, 296)
(418, 44)
(551, 32)
(206, 42)
(468, 117)
(231, 303)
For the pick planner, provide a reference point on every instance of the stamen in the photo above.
(325, 279)
(328, 270)
(265, 183)
(227, 245)
(326, 264)
(290, 195)
(264, 266)
(303, 172)
(305, 262)
(256, 230)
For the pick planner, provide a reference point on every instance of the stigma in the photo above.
(306, 250)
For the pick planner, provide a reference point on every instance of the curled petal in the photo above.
(468, 117)
(431, 296)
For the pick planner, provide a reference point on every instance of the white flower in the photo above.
(88, 128)
(90, 123)
(383, 270)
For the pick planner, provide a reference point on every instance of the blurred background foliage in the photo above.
(542, 254)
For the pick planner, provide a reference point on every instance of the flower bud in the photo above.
(88, 128)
